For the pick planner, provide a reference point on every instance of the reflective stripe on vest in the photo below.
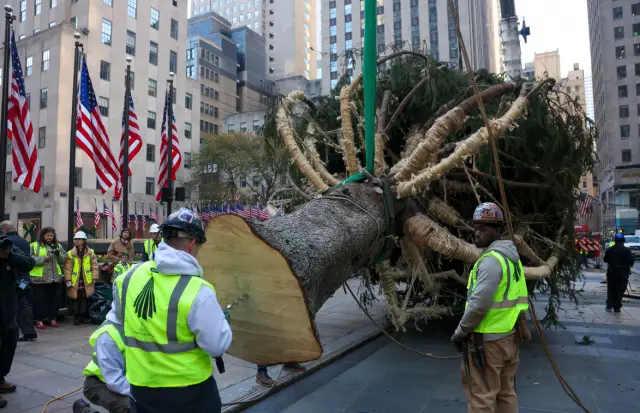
(151, 341)
(86, 265)
(510, 299)
(116, 332)
(41, 251)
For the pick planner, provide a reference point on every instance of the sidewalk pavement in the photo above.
(53, 365)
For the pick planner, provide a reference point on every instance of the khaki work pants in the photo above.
(98, 393)
(501, 365)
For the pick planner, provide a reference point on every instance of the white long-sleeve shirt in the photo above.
(112, 365)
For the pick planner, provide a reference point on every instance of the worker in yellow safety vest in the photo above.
(106, 384)
(122, 266)
(173, 324)
(487, 333)
(151, 245)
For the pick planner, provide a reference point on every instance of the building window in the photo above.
(620, 53)
(106, 32)
(256, 125)
(188, 100)
(187, 160)
(103, 104)
(29, 65)
(43, 98)
(42, 137)
(130, 43)
(45, 60)
(151, 153)
(624, 111)
(626, 155)
(173, 61)
(132, 9)
(149, 186)
(153, 53)
(23, 10)
(622, 91)
(635, 9)
(187, 130)
(73, 22)
(231, 127)
(621, 71)
(77, 177)
(37, 7)
(625, 131)
(151, 120)
(153, 88)
(618, 32)
(108, 2)
(637, 69)
(105, 70)
(636, 49)
(243, 126)
(132, 80)
(53, 4)
(174, 29)
(617, 13)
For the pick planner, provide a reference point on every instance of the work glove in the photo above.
(458, 339)
(227, 316)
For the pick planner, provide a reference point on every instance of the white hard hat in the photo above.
(80, 235)
(155, 228)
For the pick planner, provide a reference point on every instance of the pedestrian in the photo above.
(46, 276)
(24, 317)
(496, 296)
(106, 384)
(80, 272)
(122, 266)
(12, 263)
(619, 261)
(173, 324)
(151, 245)
(123, 245)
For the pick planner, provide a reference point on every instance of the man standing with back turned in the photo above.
(496, 295)
(619, 261)
(173, 324)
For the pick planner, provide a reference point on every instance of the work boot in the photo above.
(608, 309)
(617, 310)
(28, 337)
(294, 366)
(81, 406)
(264, 379)
(6, 387)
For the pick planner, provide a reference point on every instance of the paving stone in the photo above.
(25, 399)
(51, 365)
(46, 382)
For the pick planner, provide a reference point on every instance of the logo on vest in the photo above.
(145, 303)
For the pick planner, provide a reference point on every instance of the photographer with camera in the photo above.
(12, 263)
(46, 275)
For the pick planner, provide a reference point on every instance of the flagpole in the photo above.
(125, 168)
(72, 140)
(5, 104)
(170, 142)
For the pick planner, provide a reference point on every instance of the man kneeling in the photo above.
(106, 384)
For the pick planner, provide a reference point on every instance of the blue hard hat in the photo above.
(619, 236)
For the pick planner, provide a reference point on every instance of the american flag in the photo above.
(584, 205)
(135, 216)
(109, 213)
(135, 144)
(91, 136)
(79, 221)
(144, 219)
(96, 217)
(263, 214)
(152, 215)
(176, 156)
(26, 166)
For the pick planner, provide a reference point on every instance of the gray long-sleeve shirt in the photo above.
(112, 365)
(488, 277)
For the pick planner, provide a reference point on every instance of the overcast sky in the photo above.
(557, 24)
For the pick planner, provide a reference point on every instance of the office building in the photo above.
(420, 25)
(288, 27)
(573, 87)
(254, 88)
(528, 72)
(613, 26)
(311, 88)
(212, 60)
(547, 64)
(154, 34)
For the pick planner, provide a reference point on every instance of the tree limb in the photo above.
(404, 103)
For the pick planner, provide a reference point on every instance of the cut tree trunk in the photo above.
(289, 267)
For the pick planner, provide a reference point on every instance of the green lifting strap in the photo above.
(369, 75)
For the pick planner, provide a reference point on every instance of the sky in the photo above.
(557, 24)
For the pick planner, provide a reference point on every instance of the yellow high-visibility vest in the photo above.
(510, 298)
(150, 247)
(86, 265)
(93, 368)
(161, 350)
(41, 251)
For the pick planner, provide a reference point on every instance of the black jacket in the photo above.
(10, 273)
(23, 246)
(620, 260)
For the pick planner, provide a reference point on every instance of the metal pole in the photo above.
(5, 106)
(72, 141)
(125, 167)
(170, 142)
